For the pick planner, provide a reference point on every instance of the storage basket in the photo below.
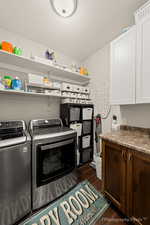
(86, 155)
(86, 140)
(74, 114)
(87, 113)
(87, 127)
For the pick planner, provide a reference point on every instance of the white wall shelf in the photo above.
(27, 64)
(27, 93)
(9, 91)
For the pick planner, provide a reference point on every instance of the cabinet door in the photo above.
(123, 62)
(143, 61)
(140, 188)
(114, 174)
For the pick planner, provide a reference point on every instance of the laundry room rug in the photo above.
(84, 205)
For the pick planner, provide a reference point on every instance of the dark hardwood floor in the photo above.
(111, 216)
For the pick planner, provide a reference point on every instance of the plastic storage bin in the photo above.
(86, 140)
(87, 113)
(77, 88)
(85, 90)
(86, 155)
(74, 114)
(87, 127)
(66, 87)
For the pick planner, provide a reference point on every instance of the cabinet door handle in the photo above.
(129, 157)
(123, 155)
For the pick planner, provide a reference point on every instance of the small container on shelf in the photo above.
(53, 92)
(16, 84)
(47, 82)
(66, 94)
(73, 95)
(79, 96)
(77, 88)
(7, 46)
(7, 81)
(56, 85)
(115, 125)
(66, 87)
(85, 90)
(83, 71)
(17, 51)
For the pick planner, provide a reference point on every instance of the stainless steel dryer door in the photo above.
(15, 183)
(55, 160)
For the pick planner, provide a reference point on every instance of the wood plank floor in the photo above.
(111, 216)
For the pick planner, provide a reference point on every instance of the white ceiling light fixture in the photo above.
(64, 8)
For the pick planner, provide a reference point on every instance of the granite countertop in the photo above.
(130, 137)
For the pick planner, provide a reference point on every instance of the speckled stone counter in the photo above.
(130, 137)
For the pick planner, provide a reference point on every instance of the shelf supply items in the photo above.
(75, 93)
(43, 66)
(8, 47)
(42, 84)
(7, 81)
(74, 88)
(10, 83)
(58, 73)
(17, 84)
(77, 101)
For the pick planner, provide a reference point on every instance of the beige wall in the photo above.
(136, 115)
(32, 48)
(14, 107)
(99, 67)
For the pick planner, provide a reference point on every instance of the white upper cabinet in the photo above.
(123, 64)
(143, 55)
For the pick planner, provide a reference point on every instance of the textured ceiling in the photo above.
(95, 23)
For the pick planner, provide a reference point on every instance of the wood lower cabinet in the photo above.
(139, 202)
(126, 181)
(114, 178)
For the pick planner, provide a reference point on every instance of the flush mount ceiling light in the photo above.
(64, 8)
